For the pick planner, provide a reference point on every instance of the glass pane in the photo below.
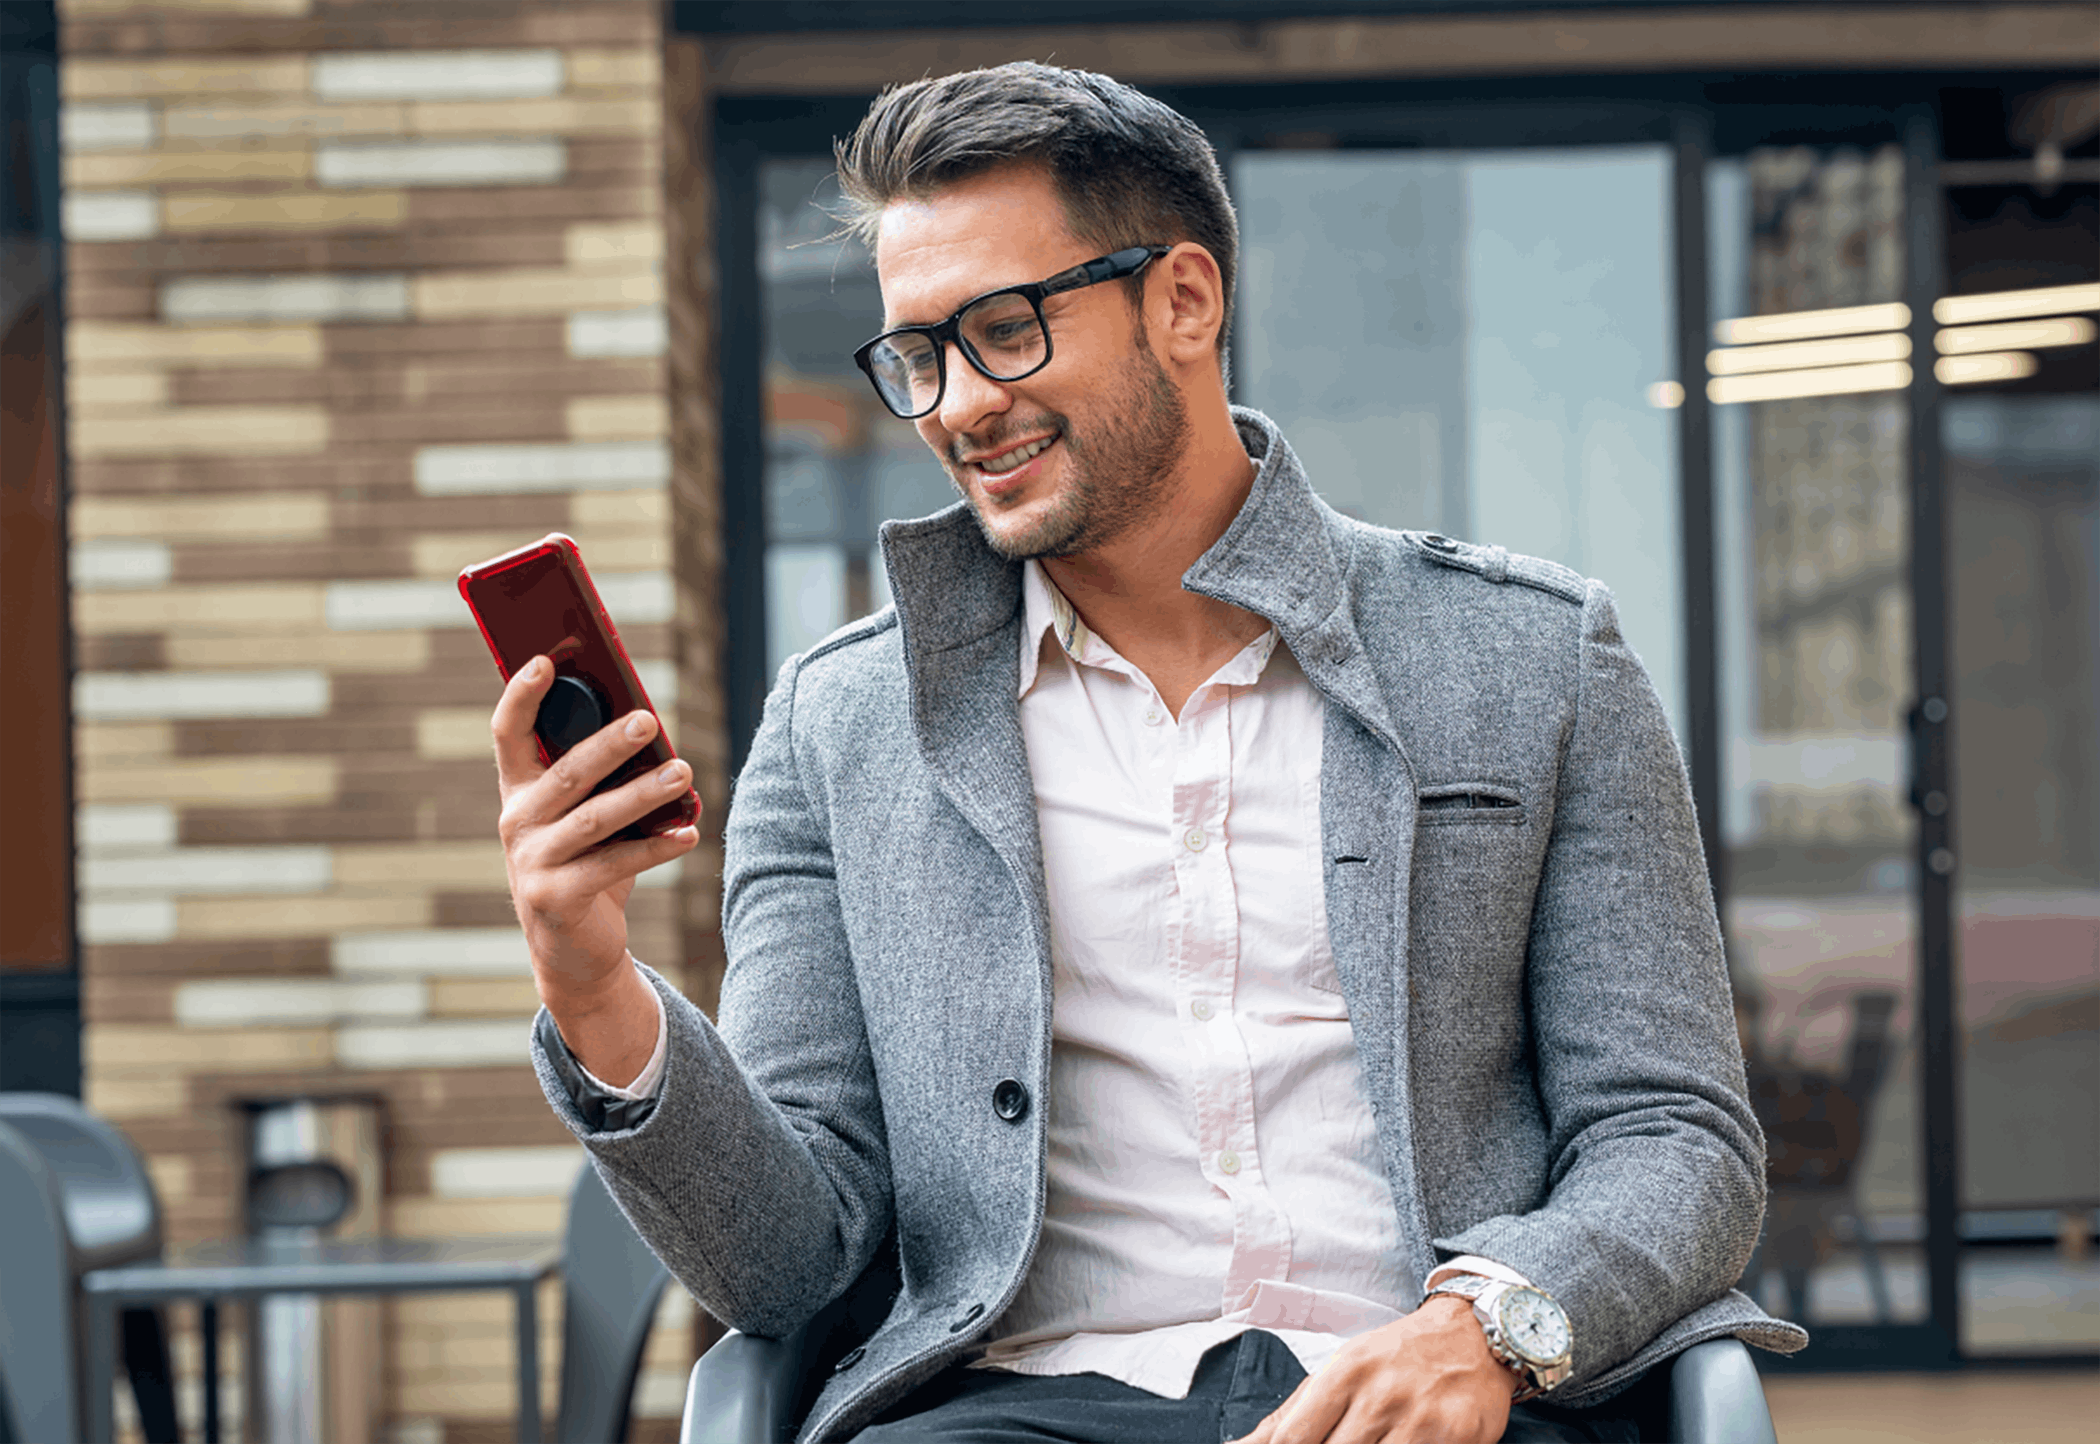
(2023, 493)
(1478, 343)
(1815, 638)
(837, 463)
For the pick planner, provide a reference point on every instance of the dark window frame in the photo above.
(1701, 118)
(40, 974)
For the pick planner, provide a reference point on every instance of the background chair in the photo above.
(100, 1211)
(74, 1196)
(37, 1382)
(754, 1391)
(611, 1285)
(1816, 1134)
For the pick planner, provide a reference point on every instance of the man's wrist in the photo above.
(1450, 1307)
(1525, 1328)
(610, 1026)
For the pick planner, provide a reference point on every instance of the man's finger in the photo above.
(606, 867)
(579, 770)
(1308, 1415)
(517, 751)
(597, 818)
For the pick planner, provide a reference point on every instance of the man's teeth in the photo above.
(1015, 457)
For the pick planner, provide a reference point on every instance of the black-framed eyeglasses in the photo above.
(1001, 333)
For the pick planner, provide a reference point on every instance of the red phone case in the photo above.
(539, 601)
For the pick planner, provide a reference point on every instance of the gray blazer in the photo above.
(1518, 909)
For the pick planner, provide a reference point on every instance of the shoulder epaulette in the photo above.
(876, 621)
(1500, 564)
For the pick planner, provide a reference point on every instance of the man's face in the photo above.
(1082, 452)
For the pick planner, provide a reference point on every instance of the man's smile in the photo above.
(999, 473)
(999, 465)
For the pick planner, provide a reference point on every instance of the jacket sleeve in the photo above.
(761, 1176)
(1657, 1164)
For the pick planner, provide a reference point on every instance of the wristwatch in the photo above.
(1526, 1330)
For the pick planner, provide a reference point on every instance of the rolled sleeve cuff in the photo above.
(1486, 1268)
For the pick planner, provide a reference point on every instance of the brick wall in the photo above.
(360, 293)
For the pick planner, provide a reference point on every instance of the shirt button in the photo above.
(1197, 839)
(1154, 715)
(1202, 1010)
(1228, 1162)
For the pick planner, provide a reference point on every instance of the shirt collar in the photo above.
(1045, 609)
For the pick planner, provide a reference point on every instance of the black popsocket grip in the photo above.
(570, 712)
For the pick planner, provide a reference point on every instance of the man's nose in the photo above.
(971, 395)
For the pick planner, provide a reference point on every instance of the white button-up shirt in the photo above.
(1213, 1163)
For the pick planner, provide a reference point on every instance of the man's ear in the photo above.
(1190, 305)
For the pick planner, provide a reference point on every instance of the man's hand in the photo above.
(1424, 1379)
(568, 884)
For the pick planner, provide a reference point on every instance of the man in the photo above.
(1184, 929)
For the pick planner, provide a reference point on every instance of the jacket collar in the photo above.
(1284, 558)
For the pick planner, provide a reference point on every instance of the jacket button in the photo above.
(1010, 1100)
(1441, 543)
(976, 1312)
(852, 1358)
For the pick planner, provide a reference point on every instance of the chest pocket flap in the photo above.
(1443, 803)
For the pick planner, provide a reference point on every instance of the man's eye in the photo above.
(917, 362)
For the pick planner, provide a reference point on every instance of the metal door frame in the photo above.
(1700, 119)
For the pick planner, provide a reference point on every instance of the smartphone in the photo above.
(538, 601)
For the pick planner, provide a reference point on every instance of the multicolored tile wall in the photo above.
(360, 293)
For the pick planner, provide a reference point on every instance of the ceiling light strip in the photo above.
(2005, 305)
(1820, 381)
(1805, 325)
(1997, 366)
(2011, 335)
(1791, 355)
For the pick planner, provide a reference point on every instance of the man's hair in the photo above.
(1128, 170)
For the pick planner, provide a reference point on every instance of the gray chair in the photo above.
(106, 1215)
(751, 1391)
(611, 1287)
(38, 1387)
(74, 1196)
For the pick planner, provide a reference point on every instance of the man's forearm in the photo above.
(611, 1030)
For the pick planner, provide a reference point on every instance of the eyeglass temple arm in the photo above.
(1107, 268)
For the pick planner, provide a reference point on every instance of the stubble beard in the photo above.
(1119, 472)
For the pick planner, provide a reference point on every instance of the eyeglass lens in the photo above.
(1001, 334)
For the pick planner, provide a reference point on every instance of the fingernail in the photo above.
(668, 775)
(637, 725)
(535, 669)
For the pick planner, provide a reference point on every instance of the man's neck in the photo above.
(1129, 591)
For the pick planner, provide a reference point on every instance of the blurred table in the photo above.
(253, 1268)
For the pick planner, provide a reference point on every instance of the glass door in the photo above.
(2023, 492)
(1445, 350)
(1813, 501)
(837, 465)
(1478, 342)
(2021, 437)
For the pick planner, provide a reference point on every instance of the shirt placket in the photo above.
(1205, 964)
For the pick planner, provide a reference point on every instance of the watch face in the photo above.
(1534, 1327)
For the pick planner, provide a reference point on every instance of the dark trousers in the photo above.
(1238, 1384)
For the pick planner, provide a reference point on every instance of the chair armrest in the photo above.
(744, 1391)
(1716, 1396)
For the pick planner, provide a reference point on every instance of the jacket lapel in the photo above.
(958, 608)
(1285, 558)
